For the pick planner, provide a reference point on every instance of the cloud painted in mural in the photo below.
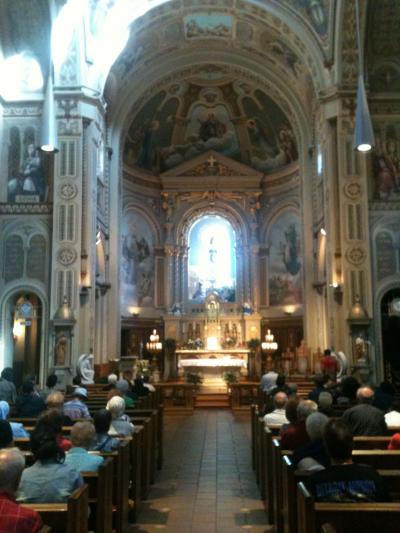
(187, 119)
(285, 263)
(137, 262)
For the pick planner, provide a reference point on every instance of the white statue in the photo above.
(343, 364)
(85, 368)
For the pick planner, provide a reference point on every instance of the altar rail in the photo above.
(177, 396)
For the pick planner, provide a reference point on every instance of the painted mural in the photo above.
(315, 11)
(137, 262)
(387, 165)
(202, 25)
(189, 118)
(285, 263)
(26, 177)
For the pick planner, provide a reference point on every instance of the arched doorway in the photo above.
(390, 324)
(25, 318)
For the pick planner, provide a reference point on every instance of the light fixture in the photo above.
(154, 345)
(48, 137)
(98, 238)
(18, 329)
(269, 345)
(289, 310)
(337, 292)
(323, 232)
(364, 139)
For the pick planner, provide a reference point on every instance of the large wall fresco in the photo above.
(386, 164)
(285, 262)
(137, 262)
(189, 118)
(26, 176)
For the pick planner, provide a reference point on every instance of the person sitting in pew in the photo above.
(111, 382)
(14, 517)
(51, 383)
(117, 392)
(392, 418)
(49, 479)
(147, 384)
(120, 424)
(139, 389)
(6, 435)
(29, 403)
(76, 408)
(295, 435)
(82, 437)
(52, 421)
(313, 456)
(290, 412)
(319, 382)
(103, 442)
(18, 429)
(394, 443)
(345, 481)
(277, 416)
(55, 400)
(364, 419)
(325, 402)
(8, 392)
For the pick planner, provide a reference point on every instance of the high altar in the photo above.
(214, 341)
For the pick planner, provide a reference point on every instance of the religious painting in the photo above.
(271, 137)
(385, 255)
(386, 163)
(137, 262)
(315, 11)
(189, 118)
(285, 262)
(212, 260)
(26, 179)
(202, 25)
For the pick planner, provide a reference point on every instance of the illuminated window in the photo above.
(212, 260)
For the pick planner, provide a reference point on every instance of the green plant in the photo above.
(194, 378)
(253, 344)
(230, 377)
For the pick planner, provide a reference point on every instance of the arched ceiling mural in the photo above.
(210, 111)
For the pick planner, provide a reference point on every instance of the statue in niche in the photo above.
(61, 350)
(85, 368)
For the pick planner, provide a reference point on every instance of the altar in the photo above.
(212, 364)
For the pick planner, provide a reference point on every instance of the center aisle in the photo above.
(207, 484)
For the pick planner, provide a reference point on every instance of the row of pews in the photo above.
(292, 509)
(111, 497)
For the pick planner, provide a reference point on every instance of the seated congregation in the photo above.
(336, 450)
(78, 461)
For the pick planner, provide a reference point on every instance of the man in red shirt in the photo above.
(329, 365)
(14, 518)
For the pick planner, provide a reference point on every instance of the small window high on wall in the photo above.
(212, 259)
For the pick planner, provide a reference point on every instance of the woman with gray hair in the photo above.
(313, 456)
(121, 423)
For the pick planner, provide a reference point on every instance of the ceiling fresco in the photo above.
(188, 118)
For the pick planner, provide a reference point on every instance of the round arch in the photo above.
(6, 339)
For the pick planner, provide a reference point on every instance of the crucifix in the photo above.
(211, 160)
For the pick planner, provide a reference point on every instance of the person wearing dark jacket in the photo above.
(29, 404)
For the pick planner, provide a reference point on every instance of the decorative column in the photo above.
(255, 276)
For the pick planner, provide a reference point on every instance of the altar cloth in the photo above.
(212, 362)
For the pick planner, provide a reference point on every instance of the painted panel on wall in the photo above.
(26, 176)
(386, 264)
(387, 164)
(285, 263)
(203, 25)
(137, 262)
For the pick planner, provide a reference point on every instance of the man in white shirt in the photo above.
(278, 415)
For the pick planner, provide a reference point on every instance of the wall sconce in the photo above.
(323, 232)
(319, 287)
(18, 329)
(337, 293)
(134, 311)
(289, 310)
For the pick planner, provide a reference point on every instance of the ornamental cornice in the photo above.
(26, 209)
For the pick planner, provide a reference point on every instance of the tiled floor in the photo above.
(207, 484)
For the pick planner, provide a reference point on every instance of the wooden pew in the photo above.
(120, 485)
(69, 517)
(345, 517)
(100, 485)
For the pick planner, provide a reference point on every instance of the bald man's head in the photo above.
(365, 395)
(280, 400)
(12, 463)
